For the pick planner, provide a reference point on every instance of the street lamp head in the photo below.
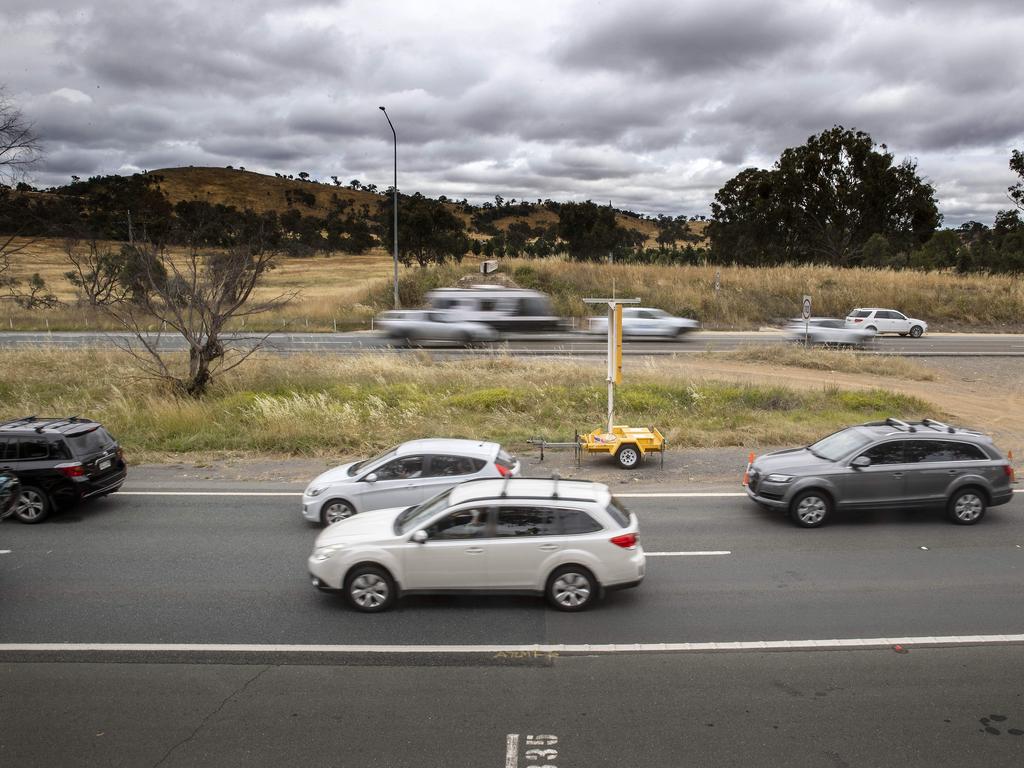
(382, 109)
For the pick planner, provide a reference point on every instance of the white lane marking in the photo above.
(746, 645)
(681, 495)
(5, 551)
(208, 493)
(689, 554)
(512, 750)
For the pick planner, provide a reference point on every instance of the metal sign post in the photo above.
(614, 347)
(807, 316)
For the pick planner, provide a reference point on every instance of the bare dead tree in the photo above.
(19, 149)
(194, 296)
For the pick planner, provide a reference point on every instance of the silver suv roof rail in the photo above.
(938, 425)
(900, 425)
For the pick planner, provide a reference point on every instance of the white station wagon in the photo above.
(567, 540)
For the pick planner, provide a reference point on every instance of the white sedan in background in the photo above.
(827, 330)
(412, 325)
(647, 322)
(406, 474)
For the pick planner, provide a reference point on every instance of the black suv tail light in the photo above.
(71, 469)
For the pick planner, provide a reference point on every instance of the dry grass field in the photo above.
(346, 291)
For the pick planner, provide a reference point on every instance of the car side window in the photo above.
(464, 524)
(887, 453)
(8, 448)
(33, 448)
(932, 451)
(404, 468)
(451, 466)
(527, 521)
(577, 521)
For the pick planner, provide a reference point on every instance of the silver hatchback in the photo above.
(885, 464)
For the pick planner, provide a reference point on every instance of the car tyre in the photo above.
(872, 329)
(628, 456)
(916, 331)
(966, 506)
(370, 589)
(34, 506)
(571, 588)
(334, 510)
(810, 509)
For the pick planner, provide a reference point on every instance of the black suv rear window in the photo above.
(93, 441)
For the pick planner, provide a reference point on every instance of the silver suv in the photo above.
(885, 321)
(885, 464)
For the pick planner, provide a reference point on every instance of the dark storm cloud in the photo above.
(653, 104)
(667, 40)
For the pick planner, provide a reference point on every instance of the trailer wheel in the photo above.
(628, 456)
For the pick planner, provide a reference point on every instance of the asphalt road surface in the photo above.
(181, 630)
(562, 344)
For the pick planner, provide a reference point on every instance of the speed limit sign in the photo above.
(807, 307)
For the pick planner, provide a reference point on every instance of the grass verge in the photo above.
(821, 359)
(346, 406)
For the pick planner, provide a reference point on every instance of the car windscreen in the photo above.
(368, 463)
(93, 441)
(839, 444)
(413, 516)
(860, 313)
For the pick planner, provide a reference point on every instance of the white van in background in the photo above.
(506, 309)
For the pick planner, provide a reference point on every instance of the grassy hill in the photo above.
(260, 192)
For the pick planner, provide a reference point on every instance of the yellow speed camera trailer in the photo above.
(627, 444)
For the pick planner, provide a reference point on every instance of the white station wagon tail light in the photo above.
(626, 540)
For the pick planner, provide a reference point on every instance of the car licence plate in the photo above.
(105, 464)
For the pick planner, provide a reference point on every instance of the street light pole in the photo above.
(395, 190)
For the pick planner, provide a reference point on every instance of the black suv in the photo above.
(59, 462)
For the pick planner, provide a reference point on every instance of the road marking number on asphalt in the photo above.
(540, 752)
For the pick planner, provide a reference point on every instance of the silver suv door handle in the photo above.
(474, 550)
(897, 474)
(548, 547)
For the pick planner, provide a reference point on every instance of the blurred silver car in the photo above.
(411, 325)
(406, 474)
(827, 330)
(647, 322)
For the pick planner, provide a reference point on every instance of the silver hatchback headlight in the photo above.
(777, 478)
(311, 491)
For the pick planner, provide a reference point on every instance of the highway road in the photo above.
(561, 344)
(178, 628)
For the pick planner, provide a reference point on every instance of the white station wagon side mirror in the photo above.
(419, 536)
(860, 462)
(371, 478)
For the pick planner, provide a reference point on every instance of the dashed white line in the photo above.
(512, 750)
(690, 554)
(209, 493)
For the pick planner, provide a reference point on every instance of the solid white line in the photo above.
(689, 554)
(5, 551)
(208, 493)
(756, 645)
(681, 495)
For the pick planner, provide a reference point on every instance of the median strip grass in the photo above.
(335, 406)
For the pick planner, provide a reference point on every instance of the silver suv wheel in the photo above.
(810, 509)
(967, 507)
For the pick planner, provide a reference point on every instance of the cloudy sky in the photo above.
(651, 105)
